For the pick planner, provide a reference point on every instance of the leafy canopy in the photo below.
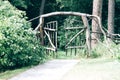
(11, 16)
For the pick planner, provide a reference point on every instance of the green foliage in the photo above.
(64, 36)
(10, 16)
(118, 51)
(119, 57)
(94, 54)
(84, 6)
(18, 44)
(19, 47)
(32, 8)
(20, 3)
(106, 50)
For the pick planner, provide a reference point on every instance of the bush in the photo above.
(19, 47)
(94, 54)
(106, 50)
(118, 51)
(18, 44)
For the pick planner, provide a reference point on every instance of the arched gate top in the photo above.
(68, 13)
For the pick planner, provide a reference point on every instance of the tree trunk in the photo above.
(42, 7)
(111, 14)
(42, 21)
(97, 10)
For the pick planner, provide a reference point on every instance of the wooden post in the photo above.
(66, 52)
(71, 52)
(88, 37)
(41, 30)
(75, 43)
(66, 41)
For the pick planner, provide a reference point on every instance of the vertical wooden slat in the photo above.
(66, 37)
(56, 33)
(75, 43)
(53, 34)
(66, 51)
(71, 51)
(80, 40)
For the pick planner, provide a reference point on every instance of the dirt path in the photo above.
(83, 69)
(51, 70)
(95, 69)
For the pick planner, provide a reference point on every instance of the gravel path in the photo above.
(52, 70)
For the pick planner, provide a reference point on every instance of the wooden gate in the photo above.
(50, 35)
(75, 37)
(48, 32)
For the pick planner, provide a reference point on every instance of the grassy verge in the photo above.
(10, 73)
(95, 69)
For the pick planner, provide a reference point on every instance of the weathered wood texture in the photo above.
(88, 36)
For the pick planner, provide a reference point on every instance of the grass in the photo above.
(70, 54)
(62, 55)
(10, 73)
(95, 69)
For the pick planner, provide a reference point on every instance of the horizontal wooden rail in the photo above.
(50, 29)
(97, 32)
(71, 28)
(73, 47)
(52, 49)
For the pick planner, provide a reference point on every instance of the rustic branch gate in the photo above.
(74, 36)
(50, 30)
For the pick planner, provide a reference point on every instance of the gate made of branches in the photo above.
(48, 32)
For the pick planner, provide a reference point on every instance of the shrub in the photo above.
(19, 47)
(18, 44)
(118, 51)
(94, 54)
(106, 50)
